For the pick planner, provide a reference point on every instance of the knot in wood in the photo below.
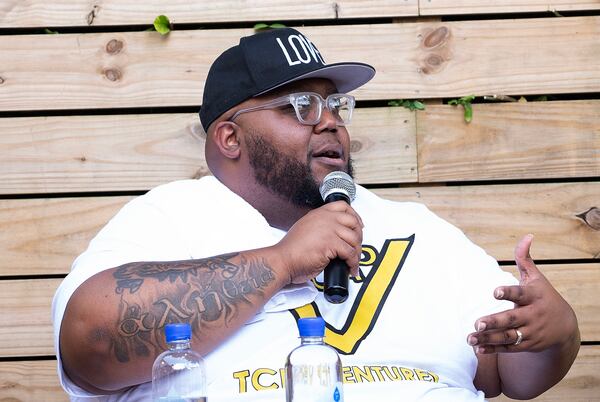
(92, 15)
(114, 46)
(436, 38)
(1, 80)
(434, 60)
(591, 217)
(112, 74)
(355, 146)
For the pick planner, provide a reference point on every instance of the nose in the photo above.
(328, 122)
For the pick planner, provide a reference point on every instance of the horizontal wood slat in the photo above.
(96, 153)
(582, 382)
(450, 7)
(138, 152)
(37, 13)
(578, 285)
(414, 60)
(26, 381)
(497, 216)
(508, 141)
(26, 305)
(43, 236)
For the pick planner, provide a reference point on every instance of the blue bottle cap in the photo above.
(178, 332)
(314, 326)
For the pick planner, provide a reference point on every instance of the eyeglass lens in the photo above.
(309, 107)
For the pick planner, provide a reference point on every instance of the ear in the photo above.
(226, 138)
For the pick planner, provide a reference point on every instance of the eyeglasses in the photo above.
(309, 107)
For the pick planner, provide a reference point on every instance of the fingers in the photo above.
(331, 231)
(506, 340)
(341, 206)
(520, 295)
(527, 268)
(348, 232)
(500, 332)
(505, 320)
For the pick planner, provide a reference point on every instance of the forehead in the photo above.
(321, 86)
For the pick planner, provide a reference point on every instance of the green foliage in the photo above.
(409, 104)
(162, 24)
(50, 32)
(261, 26)
(465, 102)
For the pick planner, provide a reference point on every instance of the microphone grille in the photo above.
(336, 182)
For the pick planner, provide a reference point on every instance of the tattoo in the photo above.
(202, 291)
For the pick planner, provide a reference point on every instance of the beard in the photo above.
(283, 174)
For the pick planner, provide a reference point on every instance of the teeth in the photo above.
(329, 154)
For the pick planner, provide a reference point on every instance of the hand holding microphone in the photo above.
(337, 186)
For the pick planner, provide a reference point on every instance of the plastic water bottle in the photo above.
(178, 374)
(313, 369)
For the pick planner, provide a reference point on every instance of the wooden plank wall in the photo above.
(105, 110)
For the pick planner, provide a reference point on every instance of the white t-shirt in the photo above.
(401, 334)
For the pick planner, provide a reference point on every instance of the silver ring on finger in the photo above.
(519, 337)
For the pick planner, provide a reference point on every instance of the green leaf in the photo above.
(277, 25)
(418, 105)
(260, 26)
(50, 32)
(409, 104)
(467, 99)
(162, 24)
(468, 112)
(453, 102)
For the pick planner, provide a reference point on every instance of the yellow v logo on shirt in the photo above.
(369, 300)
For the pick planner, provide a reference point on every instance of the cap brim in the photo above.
(345, 76)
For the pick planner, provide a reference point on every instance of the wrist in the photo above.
(276, 259)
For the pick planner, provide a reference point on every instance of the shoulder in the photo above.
(386, 203)
(183, 187)
(385, 210)
(179, 194)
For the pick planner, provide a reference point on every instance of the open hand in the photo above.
(540, 319)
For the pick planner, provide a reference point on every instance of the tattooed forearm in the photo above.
(154, 294)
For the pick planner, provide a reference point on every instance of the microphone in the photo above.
(337, 186)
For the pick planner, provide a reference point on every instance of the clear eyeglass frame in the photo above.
(309, 107)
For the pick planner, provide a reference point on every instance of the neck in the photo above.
(279, 212)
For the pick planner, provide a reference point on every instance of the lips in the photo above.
(330, 155)
(331, 151)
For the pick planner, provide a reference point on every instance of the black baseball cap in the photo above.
(268, 60)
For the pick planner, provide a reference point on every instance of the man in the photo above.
(235, 254)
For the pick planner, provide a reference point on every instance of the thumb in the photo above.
(527, 268)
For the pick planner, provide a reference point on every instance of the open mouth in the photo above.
(332, 154)
(329, 151)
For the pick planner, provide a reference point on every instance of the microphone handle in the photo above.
(335, 284)
(336, 281)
